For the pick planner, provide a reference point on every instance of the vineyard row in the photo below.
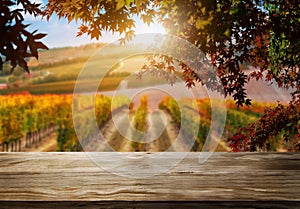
(25, 120)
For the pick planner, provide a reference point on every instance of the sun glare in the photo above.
(153, 28)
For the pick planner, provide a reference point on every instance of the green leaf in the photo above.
(200, 24)
(128, 2)
(120, 4)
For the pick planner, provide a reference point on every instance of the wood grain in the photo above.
(224, 177)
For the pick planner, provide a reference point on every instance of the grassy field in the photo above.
(57, 69)
(66, 87)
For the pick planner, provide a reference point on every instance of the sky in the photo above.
(61, 33)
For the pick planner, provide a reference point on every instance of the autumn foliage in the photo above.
(140, 124)
(263, 34)
(277, 126)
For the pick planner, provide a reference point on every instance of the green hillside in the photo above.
(57, 69)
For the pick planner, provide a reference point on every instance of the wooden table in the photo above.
(73, 180)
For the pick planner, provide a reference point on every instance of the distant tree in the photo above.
(16, 42)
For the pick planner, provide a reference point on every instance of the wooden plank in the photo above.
(150, 204)
(75, 177)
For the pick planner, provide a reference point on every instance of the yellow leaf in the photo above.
(227, 33)
(138, 4)
(201, 23)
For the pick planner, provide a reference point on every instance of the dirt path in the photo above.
(178, 142)
(119, 142)
(169, 139)
(157, 136)
(162, 136)
(157, 139)
(48, 144)
(111, 140)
